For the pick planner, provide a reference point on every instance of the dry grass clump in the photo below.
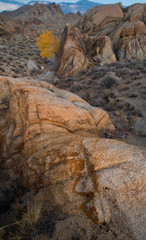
(2, 234)
(26, 221)
(32, 215)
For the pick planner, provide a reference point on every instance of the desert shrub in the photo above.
(122, 72)
(144, 71)
(136, 72)
(109, 82)
(122, 64)
(75, 87)
(99, 74)
(97, 102)
(47, 44)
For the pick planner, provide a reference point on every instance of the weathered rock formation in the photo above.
(136, 12)
(100, 49)
(129, 37)
(74, 49)
(51, 138)
(109, 33)
(132, 48)
(101, 17)
(71, 56)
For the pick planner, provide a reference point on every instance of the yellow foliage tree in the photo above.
(47, 44)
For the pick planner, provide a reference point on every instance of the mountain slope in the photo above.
(36, 11)
(36, 19)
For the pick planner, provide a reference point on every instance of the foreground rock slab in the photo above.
(51, 138)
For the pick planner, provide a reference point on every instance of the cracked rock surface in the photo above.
(51, 138)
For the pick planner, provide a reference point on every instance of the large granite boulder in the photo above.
(101, 17)
(129, 37)
(132, 39)
(132, 48)
(51, 138)
(136, 12)
(133, 29)
(71, 56)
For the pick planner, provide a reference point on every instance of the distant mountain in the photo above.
(37, 1)
(81, 6)
(38, 11)
(67, 7)
(10, 5)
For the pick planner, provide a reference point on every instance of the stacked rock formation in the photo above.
(109, 33)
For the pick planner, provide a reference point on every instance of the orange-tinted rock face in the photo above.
(50, 137)
(71, 57)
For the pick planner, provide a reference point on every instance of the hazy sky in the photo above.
(9, 5)
(125, 2)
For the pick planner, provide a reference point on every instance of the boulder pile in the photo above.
(109, 33)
